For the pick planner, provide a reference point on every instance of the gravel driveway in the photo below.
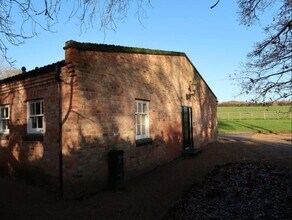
(150, 195)
(238, 191)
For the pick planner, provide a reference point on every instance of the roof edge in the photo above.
(118, 49)
(122, 49)
(201, 77)
(34, 72)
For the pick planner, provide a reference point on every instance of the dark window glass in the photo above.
(40, 122)
(33, 122)
(38, 108)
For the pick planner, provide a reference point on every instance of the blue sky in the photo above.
(212, 39)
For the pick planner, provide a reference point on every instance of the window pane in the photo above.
(31, 109)
(38, 108)
(5, 124)
(143, 118)
(143, 130)
(139, 119)
(42, 109)
(6, 112)
(34, 122)
(40, 122)
(137, 124)
(139, 107)
(136, 107)
(1, 113)
(138, 129)
(144, 108)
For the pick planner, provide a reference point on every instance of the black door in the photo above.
(187, 127)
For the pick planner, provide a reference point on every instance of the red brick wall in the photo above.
(102, 114)
(21, 154)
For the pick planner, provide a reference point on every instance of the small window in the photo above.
(35, 116)
(142, 119)
(4, 119)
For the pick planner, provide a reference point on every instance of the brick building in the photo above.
(59, 122)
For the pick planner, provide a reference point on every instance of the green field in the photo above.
(254, 126)
(274, 119)
(254, 113)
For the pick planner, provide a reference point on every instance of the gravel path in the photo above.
(148, 196)
(239, 191)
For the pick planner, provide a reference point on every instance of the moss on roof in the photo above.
(115, 48)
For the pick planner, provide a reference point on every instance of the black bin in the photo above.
(116, 169)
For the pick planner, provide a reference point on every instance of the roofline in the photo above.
(116, 48)
(122, 49)
(36, 72)
(201, 77)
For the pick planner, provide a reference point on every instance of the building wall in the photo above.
(99, 90)
(33, 157)
(101, 113)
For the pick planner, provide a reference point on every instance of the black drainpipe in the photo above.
(58, 78)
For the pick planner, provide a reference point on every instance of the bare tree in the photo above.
(23, 19)
(268, 71)
(7, 70)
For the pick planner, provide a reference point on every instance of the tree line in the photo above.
(242, 104)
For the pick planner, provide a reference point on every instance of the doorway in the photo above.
(187, 127)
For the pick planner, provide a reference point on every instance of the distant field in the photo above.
(254, 113)
(274, 119)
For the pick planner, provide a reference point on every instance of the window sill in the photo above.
(4, 136)
(144, 141)
(33, 137)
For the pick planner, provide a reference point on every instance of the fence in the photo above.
(254, 115)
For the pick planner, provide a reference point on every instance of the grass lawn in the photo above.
(254, 126)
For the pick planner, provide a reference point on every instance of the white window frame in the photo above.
(6, 118)
(138, 113)
(30, 129)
